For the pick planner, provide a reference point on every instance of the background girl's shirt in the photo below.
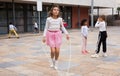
(54, 25)
(84, 31)
(11, 27)
(35, 25)
(101, 25)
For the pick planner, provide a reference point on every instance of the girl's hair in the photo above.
(83, 22)
(50, 13)
(103, 17)
(10, 23)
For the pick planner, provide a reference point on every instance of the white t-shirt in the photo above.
(101, 25)
(35, 25)
(84, 31)
(11, 27)
(54, 25)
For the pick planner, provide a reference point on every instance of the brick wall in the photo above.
(83, 15)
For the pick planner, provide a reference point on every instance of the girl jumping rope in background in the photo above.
(53, 35)
(102, 36)
(84, 32)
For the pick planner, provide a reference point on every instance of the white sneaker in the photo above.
(105, 55)
(51, 66)
(55, 67)
(95, 56)
(52, 62)
(56, 64)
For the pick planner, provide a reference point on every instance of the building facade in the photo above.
(23, 12)
(107, 11)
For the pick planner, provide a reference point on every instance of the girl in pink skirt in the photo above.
(53, 35)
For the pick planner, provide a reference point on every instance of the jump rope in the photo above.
(44, 49)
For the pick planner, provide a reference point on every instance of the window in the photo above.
(3, 18)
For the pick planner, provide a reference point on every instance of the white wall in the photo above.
(117, 5)
(105, 3)
(109, 11)
(99, 3)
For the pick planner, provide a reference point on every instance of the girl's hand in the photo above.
(85, 37)
(67, 37)
(98, 19)
(44, 40)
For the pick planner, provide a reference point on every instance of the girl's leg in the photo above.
(10, 32)
(104, 41)
(104, 49)
(34, 30)
(15, 33)
(57, 50)
(99, 43)
(104, 46)
(86, 46)
(56, 57)
(52, 57)
(83, 45)
(98, 47)
(37, 30)
(52, 53)
(86, 51)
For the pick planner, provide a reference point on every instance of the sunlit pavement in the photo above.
(28, 56)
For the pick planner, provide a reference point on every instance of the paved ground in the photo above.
(27, 56)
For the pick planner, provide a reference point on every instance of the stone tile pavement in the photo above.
(28, 56)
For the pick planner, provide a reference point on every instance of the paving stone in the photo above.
(65, 66)
(6, 64)
(11, 64)
(39, 53)
(1, 44)
(4, 72)
(111, 59)
(28, 56)
(94, 74)
(17, 69)
(108, 66)
(108, 72)
(17, 44)
(22, 75)
(36, 48)
(6, 60)
(32, 73)
(14, 55)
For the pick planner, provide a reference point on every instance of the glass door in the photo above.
(32, 15)
(67, 15)
(44, 15)
(3, 19)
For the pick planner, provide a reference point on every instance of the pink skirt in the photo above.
(54, 38)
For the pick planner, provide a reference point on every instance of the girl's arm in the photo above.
(98, 24)
(45, 31)
(46, 28)
(62, 27)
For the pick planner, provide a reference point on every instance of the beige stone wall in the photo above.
(116, 4)
(99, 3)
